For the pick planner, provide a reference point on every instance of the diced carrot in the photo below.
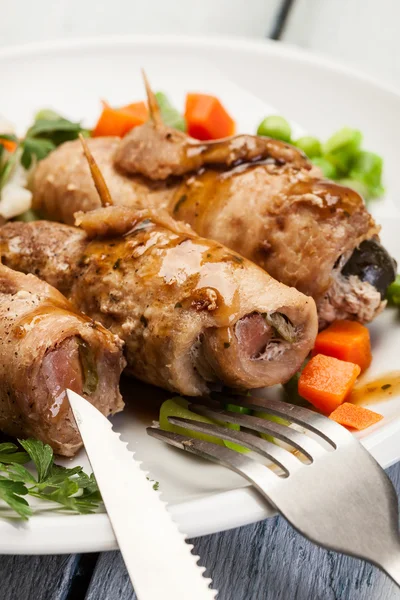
(118, 121)
(356, 417)
(346, 340)
(206, 118)
(326, 382)
(9, 145)
(138, 110)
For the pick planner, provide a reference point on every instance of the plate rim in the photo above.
(27, 538)
(285, 49)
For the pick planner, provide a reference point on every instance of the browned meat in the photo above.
(47, 347)
(158, 152)
(190, 311)
(303, 225)
(272, 208)
(62, 184)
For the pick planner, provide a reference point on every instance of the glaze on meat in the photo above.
(47, 347)
(191, 312)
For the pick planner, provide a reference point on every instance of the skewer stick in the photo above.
(97, 176)
(154, 109)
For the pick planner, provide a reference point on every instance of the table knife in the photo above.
(159, 561)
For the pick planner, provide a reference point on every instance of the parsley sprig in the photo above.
(64, 488)
(48, 131)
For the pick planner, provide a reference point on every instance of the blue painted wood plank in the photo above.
(265, 561)
(37, 577)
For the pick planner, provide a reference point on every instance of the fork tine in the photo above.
(281, 457)
(330, 431)
(310, 448)
(256, 473)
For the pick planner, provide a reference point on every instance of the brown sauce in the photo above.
(378, 390)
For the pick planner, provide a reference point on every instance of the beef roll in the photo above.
(259, 197)
(191, 312)
(46, 347)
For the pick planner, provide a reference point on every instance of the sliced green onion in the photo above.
(274, 419)
(178, 407)
(239, 409)
(275, 127)
(311, 146)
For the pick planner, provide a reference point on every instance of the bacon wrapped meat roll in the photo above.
(190, 311)
(46, 347)
(260, 197)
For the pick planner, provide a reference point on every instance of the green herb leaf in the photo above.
(10, 453)
(169, 114)
(70, 488)
(50, 127)
(39, 148)
(41, 454)
(9, 137)
(17, 472)
(59, 474)
(7, 167)
(11, 492)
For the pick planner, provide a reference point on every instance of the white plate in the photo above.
(250, 78)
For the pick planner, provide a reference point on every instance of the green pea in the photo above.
(356, 185)
(311, 146)
(367, 167)
(328, 169)
(275, 127)
(393, 292)
(346, 139)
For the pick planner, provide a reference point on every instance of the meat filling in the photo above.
(349, 298)
(259, 342)
(359, 284)
(61, 369)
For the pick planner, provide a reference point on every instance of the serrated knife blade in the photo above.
(159, 561)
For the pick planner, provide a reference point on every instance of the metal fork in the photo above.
(327, 485)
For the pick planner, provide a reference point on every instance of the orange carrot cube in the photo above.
(206, 118)
(354, 416)
(326, 382)
(346, 340)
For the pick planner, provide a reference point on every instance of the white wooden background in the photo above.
(266, 561)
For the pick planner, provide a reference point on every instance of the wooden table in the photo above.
(268, 560)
